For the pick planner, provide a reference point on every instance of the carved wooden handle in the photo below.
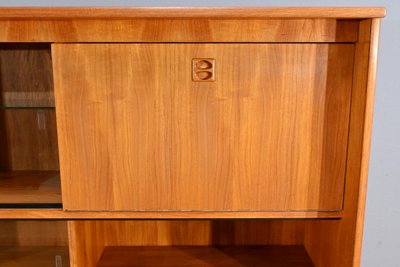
(203, 70)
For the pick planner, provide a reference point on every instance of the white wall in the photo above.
(382, 229)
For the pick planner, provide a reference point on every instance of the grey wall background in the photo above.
(381, 247)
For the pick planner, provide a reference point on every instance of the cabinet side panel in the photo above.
(338, 243)
(367, 134)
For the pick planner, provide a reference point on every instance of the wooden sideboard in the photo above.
(226, 136)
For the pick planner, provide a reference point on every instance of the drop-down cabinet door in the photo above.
(142, 128)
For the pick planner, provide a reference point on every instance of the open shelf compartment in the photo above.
(34, 256)
(33, 243)
(202, 256)
(30, 188)
(29, 167)
(194, 243)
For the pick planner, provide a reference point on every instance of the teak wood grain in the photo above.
(322, 238)
(179, 30)
(191, 12)
(15, 233)
(33, 256)
(54, 213)
(283, 132)
(266, 256)
(268, 135)
(17, 187)
(26, 78)
(28, 140)
(93, 236)
(366, 137)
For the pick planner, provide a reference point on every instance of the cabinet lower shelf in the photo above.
(196, 256)
(33, 256)
(30, 189)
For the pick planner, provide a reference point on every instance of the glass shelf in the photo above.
(27, 100)
(25, 107)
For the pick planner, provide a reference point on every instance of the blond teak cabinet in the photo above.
(185, 136)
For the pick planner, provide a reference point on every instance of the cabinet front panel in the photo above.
(137, 133)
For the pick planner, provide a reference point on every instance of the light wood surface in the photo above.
(19, 187)
(267, 256)
(191, 12)
(61, 214)
(28, 140)
(33, 233)
(322, 237)
(366, 137)
(93, 236)
(268, 135)
(32, 256)
(186, 232)
(179, 30)
(279, 137)
(26, 78)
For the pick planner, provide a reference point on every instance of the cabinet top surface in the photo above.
(189, 12)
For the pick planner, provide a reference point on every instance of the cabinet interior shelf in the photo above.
(196, 256)
(31, 256)
(25, 107)
(30, 189)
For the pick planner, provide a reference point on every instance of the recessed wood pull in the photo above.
(203, 70)
(204, 75)
(204, 64)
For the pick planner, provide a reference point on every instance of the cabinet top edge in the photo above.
(189, 12)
